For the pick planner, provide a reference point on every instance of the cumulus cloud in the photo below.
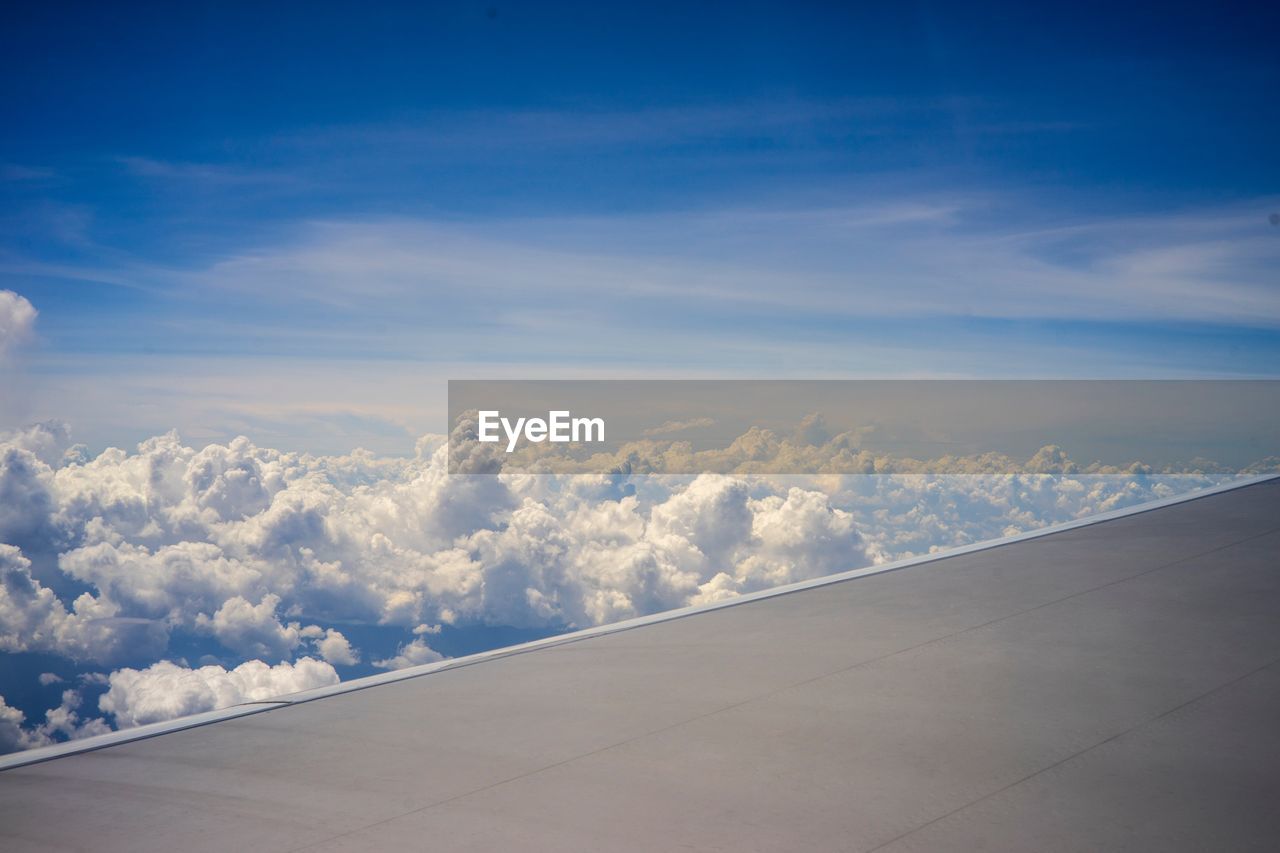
(61, 723)
(13, 735)
(26, 500)
(48, 441)
(165, 690)
(65, 723)
(410, 654)
(33, 619)
(331, 645)
(30, 614)
(253, 630)
(237, 542)
(17, 320)
(264, 552)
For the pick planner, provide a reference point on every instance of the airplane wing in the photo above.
(1109, 684)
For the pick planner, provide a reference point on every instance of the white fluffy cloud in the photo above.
(253, 630)
(264, 551)
(331, 645)
(32, 618)
(13, 735)
(259, 548)
(410, 654)
(167, 690)
(61, 723)
(65, 720)
(239, 542)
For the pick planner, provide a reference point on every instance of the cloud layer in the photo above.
(269, 555)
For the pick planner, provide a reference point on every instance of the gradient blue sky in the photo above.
(296, 221)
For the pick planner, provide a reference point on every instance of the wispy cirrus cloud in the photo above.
(208, 173)
(18, 172)
(957, 256)
(801, 122)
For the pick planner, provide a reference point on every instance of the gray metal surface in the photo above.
(1111, 687)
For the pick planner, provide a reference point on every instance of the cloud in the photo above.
(414, 653)
(65, 723)
(60, 724)
(670, 427)
(331, 645)
(17, 321)
(26, 503)
(33, 619)
(165, 690)
(13, 735)
(48, 441)
(912, 283)
(18, 172)
(463, 133)
(236, 541)
(253, 631)
(941, 255)
(268, 552)
(810, 448)
(204, 174)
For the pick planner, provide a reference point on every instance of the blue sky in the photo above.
(297, 222)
